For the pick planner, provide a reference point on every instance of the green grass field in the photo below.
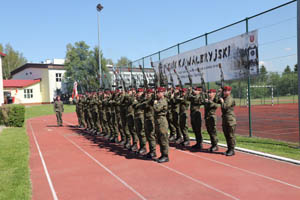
(284, 149)
(267, 100)
(14, 156)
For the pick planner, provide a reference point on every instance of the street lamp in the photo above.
(99, 8)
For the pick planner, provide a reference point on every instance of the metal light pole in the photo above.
(99, 8)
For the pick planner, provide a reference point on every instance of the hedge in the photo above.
(12, 115)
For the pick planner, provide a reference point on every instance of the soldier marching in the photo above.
(135, 118)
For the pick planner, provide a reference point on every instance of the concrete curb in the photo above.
(258, 153)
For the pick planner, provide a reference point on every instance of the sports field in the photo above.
(67, 163)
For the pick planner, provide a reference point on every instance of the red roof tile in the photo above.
(19, 83)
(2, 54)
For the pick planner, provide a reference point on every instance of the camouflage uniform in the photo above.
(228, 121)
(149, 126)
(175, 105)
(119, 119)
(170, 117)
(184, 105)
(58, 109)
(123, 105)
(130, 121)
(79, 112)
(161, 125)
(139, 122)
(210, 116)
(195, 115)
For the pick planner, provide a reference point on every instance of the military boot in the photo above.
(230, 152)
(213, 148)
(179, 140)
(172, 138)
(163, 159)
(197, 146)
(134, 147)
(151, 155)
(127, 145)
(142, 151)
(185, 143)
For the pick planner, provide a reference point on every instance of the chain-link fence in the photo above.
(275, 85)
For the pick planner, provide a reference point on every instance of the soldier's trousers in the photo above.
(124, 127)
(96, 120)
(196, 125)
(120, 127)
(161, 128)
(176, 124)
(171, 125)
(114, 125)
(210, 124)
(229, 131)
(108, 123)
(90, 119)
(184, 126)
(59, 118)
(130, 129)
(150, 134)
(86, 119)
(101, 120)
(80, 116)
(140, 131)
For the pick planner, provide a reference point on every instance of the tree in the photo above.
(296, 68)
(82, 66)
(11, 61)
(287, 70)
(122, 62)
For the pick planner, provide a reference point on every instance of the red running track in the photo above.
(68, 165)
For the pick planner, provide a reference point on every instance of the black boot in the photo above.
(151, 155)
(230, 152)
(122, 142)
(127, 145)
(197, 146)
(134, 147)
(185, 143)
(163, 159)
(142, 151)
(179, 140)
(172, 138)
(213, 148)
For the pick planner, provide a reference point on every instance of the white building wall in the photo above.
(53, 84)
(18, 93)
(1, 84)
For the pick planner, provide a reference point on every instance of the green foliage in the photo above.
(12, 115)
(122, 62)
(82, 66)
(11, 61)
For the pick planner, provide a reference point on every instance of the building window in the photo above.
(58, 77)
(28, 93)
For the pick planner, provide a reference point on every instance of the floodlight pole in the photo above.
(298, 59)
(99, 8)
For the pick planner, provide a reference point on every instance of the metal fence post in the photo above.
(206, 42)
(298, 58)
(249, 92)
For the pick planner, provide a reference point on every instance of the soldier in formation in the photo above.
(134, 118)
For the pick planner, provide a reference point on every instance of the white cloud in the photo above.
(288, 49)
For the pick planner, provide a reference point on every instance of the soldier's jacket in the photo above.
(99, 104)
(123, 105)
(94, 105)
(118, 104)
(184, 103)
(139, 106)
(160, 108)
(58, 106)
(129, 103)
(196, 102)
(148, 108)
(169, 99)
(228, 116)
(210, 108)
(175, 104)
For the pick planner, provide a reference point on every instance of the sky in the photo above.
(136, 28)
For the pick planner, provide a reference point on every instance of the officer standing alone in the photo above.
(59, 109)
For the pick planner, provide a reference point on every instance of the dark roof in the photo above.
(134, 69)
(19, 83)
(37, 65)
(2, 54)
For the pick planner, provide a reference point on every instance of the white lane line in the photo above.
(110, 172)
(200, 182)
(44, 164)
(244, 170)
